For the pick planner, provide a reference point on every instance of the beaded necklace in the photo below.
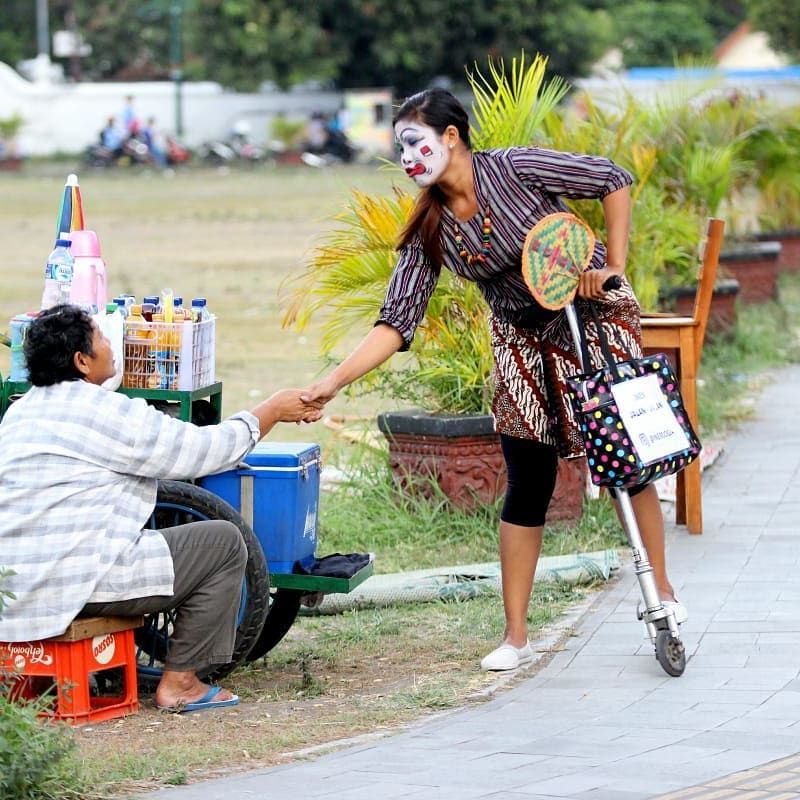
(472, 258)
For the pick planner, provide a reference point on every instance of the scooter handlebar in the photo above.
(614, 282)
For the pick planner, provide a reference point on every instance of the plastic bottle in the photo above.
(200, 312)
(113, 326)
(149, 306)
(135, 317)
(161, 352)
(122, 305)
(167, 305)
(136, 344)
(179, 312)
(58, 275)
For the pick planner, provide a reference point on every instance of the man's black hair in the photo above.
(51, 342)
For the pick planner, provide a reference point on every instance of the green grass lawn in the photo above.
(235, 238)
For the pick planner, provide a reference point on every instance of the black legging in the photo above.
(532, 468)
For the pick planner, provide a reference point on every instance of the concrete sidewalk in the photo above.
(602, 721)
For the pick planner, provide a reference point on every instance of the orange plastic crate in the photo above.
(75, 664)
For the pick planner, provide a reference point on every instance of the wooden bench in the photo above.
(685, 336)
(75, 664)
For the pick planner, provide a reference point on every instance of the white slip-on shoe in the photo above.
(678, 609)
(507, 657)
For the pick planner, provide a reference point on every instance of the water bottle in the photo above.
(112, 324)
(58, 275)
(122, 305)
(200, 312)
(179, 313)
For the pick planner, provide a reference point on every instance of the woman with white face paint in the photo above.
(472, 215)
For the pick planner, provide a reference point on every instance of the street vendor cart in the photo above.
(272, 497)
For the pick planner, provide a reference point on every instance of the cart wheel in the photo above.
(670, 653)
(176, 504)
(283, 608)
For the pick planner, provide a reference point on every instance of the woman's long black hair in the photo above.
(438, 109)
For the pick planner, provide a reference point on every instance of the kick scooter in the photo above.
(556, 252)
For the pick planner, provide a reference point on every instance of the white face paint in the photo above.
(423, 154)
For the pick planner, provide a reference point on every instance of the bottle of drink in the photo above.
(122, 305)
(58, 275)
(113, 326)
(179, 313)
(136, 349)
(161, 352)
(135, 318)
(167, 305)
(149, 306)
(200, 312)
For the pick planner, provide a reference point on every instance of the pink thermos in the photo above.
(89, 276)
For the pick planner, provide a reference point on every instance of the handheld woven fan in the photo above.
(557, 250)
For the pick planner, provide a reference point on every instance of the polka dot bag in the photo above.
(616, 457)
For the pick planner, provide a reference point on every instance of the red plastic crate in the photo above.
(71, 663)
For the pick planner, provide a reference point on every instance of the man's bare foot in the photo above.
(179, 688)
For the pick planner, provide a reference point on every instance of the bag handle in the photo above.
(605, 347)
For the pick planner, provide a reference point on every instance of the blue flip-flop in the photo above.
(205, 702)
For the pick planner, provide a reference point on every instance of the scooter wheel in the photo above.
(670, 653)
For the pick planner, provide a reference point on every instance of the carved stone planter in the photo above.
(755, 266)
(462, 453)
(722, 314)
(10, 164)
(790, 248)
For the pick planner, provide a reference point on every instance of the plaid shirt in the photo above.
(78, 477)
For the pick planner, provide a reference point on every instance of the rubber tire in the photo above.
(670, 653)
(193, 504)
(283, 609)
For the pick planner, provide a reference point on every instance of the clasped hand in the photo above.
(590, 286)
(290, 406)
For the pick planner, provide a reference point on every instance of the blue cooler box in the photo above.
(276, 489)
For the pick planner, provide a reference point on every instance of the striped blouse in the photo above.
(519, 186)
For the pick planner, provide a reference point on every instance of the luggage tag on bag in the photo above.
(650, 421)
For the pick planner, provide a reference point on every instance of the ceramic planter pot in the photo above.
(722, 314)
(755, 266)
(463, 454)
(790, 247)
(10, 164)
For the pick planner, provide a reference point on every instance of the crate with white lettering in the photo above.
(276, 490)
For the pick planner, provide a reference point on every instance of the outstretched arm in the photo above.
(382, 342)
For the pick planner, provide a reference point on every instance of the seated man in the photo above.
(112, 138)
(79, 467)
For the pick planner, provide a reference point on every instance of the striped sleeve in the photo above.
(572, 175)
(410, 288)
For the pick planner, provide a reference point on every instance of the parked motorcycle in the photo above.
(337, 149)
(177, 153)
(131, 152)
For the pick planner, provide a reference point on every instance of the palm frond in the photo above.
(509, 110)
